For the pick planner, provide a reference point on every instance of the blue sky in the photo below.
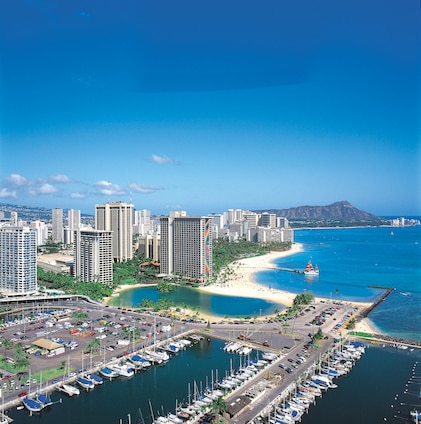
(204, 106)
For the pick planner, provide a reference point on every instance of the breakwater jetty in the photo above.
(387, 292)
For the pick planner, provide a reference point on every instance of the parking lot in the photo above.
(76, 325)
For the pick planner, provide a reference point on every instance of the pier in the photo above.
(278, 268)
(297, 271)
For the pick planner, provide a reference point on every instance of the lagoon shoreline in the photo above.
(240, 281)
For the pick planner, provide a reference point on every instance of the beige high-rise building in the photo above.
(186, 247)
(117, 217)
(93, 260)
(268, 220)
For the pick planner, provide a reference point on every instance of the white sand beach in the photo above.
(366, 326)
(239, 280)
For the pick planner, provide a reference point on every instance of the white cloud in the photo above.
(4, 192)
(110, 189)
(43, 188)
(77, 196)
(60, 178)
(144, 188)
(16, 179)
(161, 160)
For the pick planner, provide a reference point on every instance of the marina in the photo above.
(246, 382)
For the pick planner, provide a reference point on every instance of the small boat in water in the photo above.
(415, 416)
(69, 389)
(140, 361)
(32, 405)
(108, 373)
(122, 369)
(95, 378)
(85, 383)
(45, 400)
(310, 270)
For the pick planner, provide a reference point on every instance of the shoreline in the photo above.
(365, 325)
(241, 282)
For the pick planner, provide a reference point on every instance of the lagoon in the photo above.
(230, 306)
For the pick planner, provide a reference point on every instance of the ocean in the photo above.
(383, 386)
(354, 261)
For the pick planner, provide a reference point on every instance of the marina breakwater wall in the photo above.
(383, 338)
(387, 292)
(390, 340)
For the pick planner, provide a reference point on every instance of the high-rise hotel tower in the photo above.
(57, 225)
(93, 256)
(117, 217)
(186, 247)
(18, 260)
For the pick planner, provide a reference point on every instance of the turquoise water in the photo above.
(233, 306)
(350, 261)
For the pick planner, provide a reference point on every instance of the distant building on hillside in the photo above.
(265, 235)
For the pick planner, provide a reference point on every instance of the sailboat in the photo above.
(44, 399)
(69, 389)
(85, 383)
(31, 404)
(96, 379)
(310, 270)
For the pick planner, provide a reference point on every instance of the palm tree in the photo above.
(219, 406)
(7, 344)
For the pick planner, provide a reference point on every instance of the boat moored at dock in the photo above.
(32, 405)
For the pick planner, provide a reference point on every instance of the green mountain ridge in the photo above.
(338, 211)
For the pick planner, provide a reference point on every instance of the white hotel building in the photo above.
(18, 260)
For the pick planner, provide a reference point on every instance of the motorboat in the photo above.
(108, 373)
(140, 361)
(122, 369)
